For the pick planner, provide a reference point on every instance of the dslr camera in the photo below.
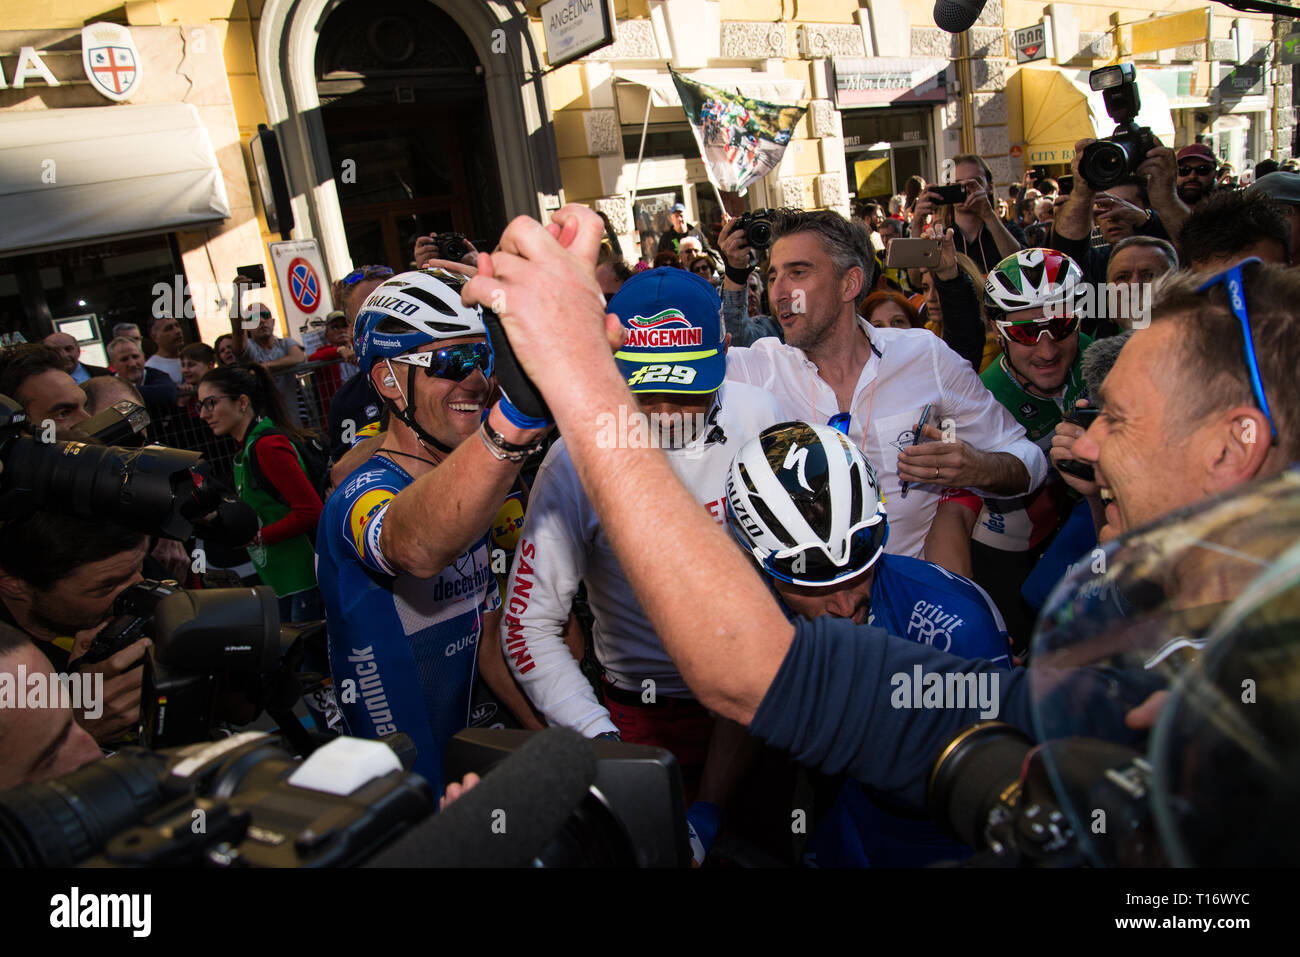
(452, 246)
(756, 225)
(1106, 162)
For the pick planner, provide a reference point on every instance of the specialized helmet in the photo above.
(806, 504)
(425, 302)
(1031, 279)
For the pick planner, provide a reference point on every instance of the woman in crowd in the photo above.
(952, 306)
(886, 309)
(197, 360)
(225, 350)
(242, 401)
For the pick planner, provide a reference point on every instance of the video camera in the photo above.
(1107, 161)
(158, 491)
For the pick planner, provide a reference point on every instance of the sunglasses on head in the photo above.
(366, 272)
(1028, 332)
(456, 363)
(1195, 170)
(1231, 279)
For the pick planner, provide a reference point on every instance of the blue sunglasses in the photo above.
(456, 363)
(1232, 280)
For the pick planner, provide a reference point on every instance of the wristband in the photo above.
(740, 276)
(703, 821)
(518, 419)
(504, 451)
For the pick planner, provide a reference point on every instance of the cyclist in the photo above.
(805, 503)
(1033, 300)
(674, 362)
(402, 550)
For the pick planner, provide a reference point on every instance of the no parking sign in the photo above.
(304, 291)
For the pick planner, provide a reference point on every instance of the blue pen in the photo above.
(916, 440)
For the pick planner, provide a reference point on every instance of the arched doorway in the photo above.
(404, 109)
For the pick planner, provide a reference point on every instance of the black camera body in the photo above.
(1108, 161)
(756, 225)
(228, 803)
(453, 246)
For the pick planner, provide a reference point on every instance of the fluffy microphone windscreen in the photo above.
(1098, 360)
(510, 816)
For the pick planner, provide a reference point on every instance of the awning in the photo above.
(772, 88)
(75, 175)
(1060, 109)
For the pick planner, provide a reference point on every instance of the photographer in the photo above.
(1144, 204)
(977, 230)
(36, 744)
(59, 577)
(34, 376)
(742, 321)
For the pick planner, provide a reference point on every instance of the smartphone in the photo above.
(1083, 417)
(912, 254)
(1066, 183)
(1078, 469)
(951, 195)
(256, 273)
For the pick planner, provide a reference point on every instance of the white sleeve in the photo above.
(981, 420)
(550, 561)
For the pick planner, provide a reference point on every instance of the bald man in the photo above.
(70, 349)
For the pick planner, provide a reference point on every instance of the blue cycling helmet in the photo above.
(414, 308)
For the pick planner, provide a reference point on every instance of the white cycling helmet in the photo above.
(806, 504)
(410, 309)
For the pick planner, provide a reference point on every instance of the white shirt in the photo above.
(906, 369)
(562, 544)
(170, 366)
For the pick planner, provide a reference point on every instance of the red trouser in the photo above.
(680, 725)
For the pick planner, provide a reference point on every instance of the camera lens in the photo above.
(759, 234)
(974, 774)
(60, 823)
(1104, 163)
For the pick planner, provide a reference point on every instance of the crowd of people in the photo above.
(514, 530)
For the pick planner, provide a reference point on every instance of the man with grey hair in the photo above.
(70, 349)
(1135, 263)
(876, 384)
(1192, 408)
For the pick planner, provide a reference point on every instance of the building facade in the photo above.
(397, 118)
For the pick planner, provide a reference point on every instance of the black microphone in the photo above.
(508, 818)
(957, 16)
(1098, 359)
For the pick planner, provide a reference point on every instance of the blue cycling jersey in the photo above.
(403, 650)
(930, 605)
(925, 603)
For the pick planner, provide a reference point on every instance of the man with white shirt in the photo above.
(875, 383)
(673, 360)
(167, 334)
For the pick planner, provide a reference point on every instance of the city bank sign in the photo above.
(108, 55)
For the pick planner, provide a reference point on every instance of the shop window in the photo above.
(107, 282)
